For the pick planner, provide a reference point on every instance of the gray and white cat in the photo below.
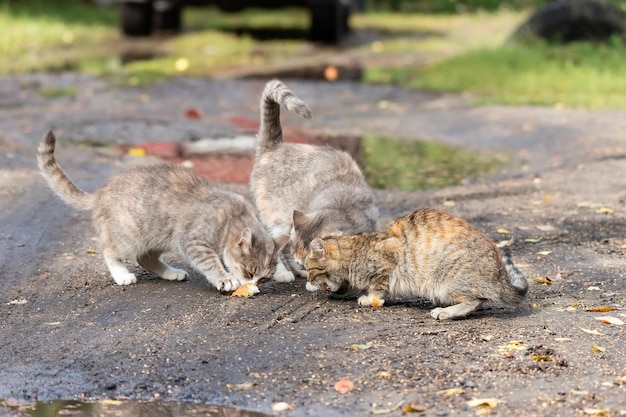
(305, 190)
(149, 210)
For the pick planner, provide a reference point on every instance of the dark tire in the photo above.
(136, 19)
(168, 20)
(329, 22)
(574, 20)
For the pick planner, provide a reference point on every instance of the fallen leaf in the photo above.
(344, 386)
(533, 239)
(378, 411)
(384, 375)
(136, 152)
(593, 288)
(246, 291)
(594, 411)
(610, 320)
(590, 331)
(622, 379)
(281, 406)
(484, 402)
(623, 246)
(451, 391)
(241, 387)
(543, 280)
(414, 407)
(193, 113)
(17, 302)
(503, 231)
(331, 73)
(544, 252)
(450, 203)
(604, 210)
(357, 346)
(598, 349)
(542, 358)
(181, 64)
(505, 243)
(513, 345)
(91, 251)
(546, 228)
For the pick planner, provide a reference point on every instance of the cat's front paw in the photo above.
(174, 274)
(439, 313)
(125, 278)
(371, 300)
(283, 274)
(227, 284)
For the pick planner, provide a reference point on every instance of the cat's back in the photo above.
(439, 236)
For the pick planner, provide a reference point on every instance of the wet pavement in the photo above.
(67, 332)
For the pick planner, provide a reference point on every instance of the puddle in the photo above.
(124, 409)
(386, 163)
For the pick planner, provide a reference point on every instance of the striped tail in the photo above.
(57, 179)
(275, 94)
(517, 278)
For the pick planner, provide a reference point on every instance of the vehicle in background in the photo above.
(329, 18)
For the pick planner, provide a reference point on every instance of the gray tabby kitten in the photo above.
(303, 189)
(427, 253)
(146, 211)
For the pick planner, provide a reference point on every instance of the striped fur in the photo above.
(146, 211)
(427, 253)
(303, 189)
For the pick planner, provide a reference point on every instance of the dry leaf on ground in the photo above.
(281, 406)
(590, 331)
(241, 387)
(484, 402)
(543, 280)
(379, 411)
(610, 320)
(344, 386)
(601, 309)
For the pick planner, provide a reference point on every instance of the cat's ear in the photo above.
(245, 238)
(299, 219)
(318, 248)
(280, 242)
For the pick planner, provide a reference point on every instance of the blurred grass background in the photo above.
(439, 45)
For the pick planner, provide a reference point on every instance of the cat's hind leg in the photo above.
(118, 270)
(456, 311)
(151, 262)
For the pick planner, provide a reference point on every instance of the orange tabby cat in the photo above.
(428, 253)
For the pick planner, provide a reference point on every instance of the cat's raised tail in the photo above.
(274, 95)
(57, 179)
(517, 278)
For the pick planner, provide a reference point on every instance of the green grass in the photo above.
(413, 165)
(42, 34)
(462, 53)
(576, 75)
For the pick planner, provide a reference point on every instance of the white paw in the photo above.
(174, 274)
(312, 287)
(439, 313)
(284, 276)
(227, 284)
(371, 300)
(124, 278)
